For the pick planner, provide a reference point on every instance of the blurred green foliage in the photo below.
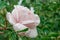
(48, 11)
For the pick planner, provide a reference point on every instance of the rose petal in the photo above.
(22, 13)
(32, 33)
(10, 18)
(37, 19)
(19, 27)
(27, 22)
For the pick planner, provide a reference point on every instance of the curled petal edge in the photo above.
(37, 19)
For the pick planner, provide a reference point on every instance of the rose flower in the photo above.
(21, 18)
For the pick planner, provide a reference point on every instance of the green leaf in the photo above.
(2, 4)
(19, 38)
(12, 36)
(53, 34)
(23, 30)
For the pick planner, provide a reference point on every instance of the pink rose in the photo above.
(21, 18)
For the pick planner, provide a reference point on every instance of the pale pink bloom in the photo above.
(21, 18)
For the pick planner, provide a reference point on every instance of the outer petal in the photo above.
(21, 7)
(32, 33)
(29, 23)
(15, 14)
(19, 27)
(37, 21)
(10, 18)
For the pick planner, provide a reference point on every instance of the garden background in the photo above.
(48, 11)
